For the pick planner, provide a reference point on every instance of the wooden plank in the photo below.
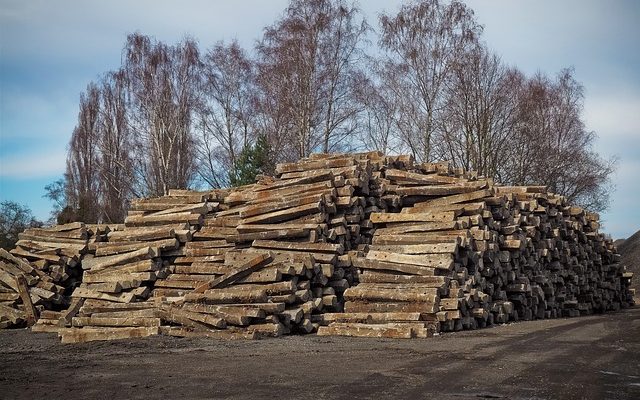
(377, 277)
(111, 248)
(417, 227)
(426, 295)
(284, 215)
(23, 290)
(90, 294)
(254, 264)
(443, 261)
(279, 204)
(359, 306)
(99, 263)
(273, 234)
(367, 330)
(418, 178)
(224, 296)
(9, 280)
(458, 198)
(299, 246)
(367, 317)
(438, 190)
(390, 266)
(226, 334)
(18, 262)
(142, 220)
(73, 309)
(120, 277)
(432, 248)
(80, 335)
(381, 218)
(115, 321)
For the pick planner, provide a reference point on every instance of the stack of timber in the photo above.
(17, 277)
(56, 252)
(307, 219)
(119, 274)
(466, 253)
(49, 260)
(339, 244)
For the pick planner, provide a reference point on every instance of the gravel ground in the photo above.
(594, 357)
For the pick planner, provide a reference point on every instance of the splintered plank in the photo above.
(80, 335)
(258, 261)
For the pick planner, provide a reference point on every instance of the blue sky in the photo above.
(50, 50)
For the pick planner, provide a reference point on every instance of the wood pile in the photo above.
(306, 221)
(466, 253)
(49, 259)
(340, 244)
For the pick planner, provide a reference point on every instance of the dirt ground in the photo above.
(582, 358)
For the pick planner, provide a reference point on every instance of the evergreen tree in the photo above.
(253, 160)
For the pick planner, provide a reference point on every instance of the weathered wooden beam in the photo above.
(259, 261)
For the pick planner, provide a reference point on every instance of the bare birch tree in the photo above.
(117, 180)
(307, 61)
(163, 85)
(421, 44)
(551, 145)
(83, 163)
(225, 123)
(480, 112)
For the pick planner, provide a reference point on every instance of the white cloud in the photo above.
(614, 114)
(32, 165)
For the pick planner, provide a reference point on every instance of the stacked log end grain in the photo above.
(466, 253)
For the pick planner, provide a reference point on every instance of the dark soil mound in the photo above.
(629, 249)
